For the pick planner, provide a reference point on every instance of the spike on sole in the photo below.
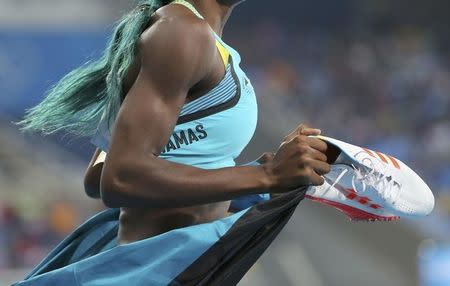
(353, 214)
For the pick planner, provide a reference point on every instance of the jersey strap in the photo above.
(189, 6)
(224, 53)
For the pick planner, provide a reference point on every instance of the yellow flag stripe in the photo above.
(224, 53)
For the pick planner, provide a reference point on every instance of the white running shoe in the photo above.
(369, 185)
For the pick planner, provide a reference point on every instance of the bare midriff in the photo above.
(138, 224)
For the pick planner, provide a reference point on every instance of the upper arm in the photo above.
(175, 56)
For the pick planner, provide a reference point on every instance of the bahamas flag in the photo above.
(216, 253)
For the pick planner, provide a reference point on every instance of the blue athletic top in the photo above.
(213, 129)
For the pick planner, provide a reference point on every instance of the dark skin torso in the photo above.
(154, 195)
(140, 223)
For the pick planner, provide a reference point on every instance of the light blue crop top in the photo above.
(213, 129)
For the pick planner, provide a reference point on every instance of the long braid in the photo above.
(76, 103)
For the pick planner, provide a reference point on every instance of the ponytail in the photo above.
(76, 103)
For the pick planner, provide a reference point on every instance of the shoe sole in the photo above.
(354, 214)
(356, 208)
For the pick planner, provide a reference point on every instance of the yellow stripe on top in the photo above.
(224, 53)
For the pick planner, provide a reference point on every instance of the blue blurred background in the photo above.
(372, 72)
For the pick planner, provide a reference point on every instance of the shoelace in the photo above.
(338, 178)
(383, 184)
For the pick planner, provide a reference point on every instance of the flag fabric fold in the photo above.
(215, 253)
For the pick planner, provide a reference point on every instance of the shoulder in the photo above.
(175, 28)
(178, 43)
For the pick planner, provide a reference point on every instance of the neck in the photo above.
(215, 14)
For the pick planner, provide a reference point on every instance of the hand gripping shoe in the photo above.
(368, 185)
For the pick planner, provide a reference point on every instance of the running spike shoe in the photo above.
(368, 185)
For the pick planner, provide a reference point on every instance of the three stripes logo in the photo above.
(352, 195)
(383, 157)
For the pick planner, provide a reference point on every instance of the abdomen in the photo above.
(138, 224)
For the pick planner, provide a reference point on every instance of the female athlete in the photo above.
(169, 109)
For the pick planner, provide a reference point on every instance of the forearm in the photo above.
(158, 183)
(247, 201)
(264, 158)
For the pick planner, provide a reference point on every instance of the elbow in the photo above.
(124, 185)
(112, 192)
(119, 186)
(91, 191)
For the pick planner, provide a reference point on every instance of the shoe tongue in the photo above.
(341, 159)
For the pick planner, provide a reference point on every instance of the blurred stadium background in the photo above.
(372, 72)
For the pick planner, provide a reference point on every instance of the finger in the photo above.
(302, 129)
(317, 155)
(320, 167)
(307, 131)
(317, 144)
(316, 180)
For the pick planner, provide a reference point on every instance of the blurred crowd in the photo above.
(389, 92)
(23, 243)
(41, 198)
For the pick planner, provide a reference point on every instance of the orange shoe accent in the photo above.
(369, 152)
(382, 157)
(394, 161)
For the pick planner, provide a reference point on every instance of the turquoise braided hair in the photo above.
(76, 103)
